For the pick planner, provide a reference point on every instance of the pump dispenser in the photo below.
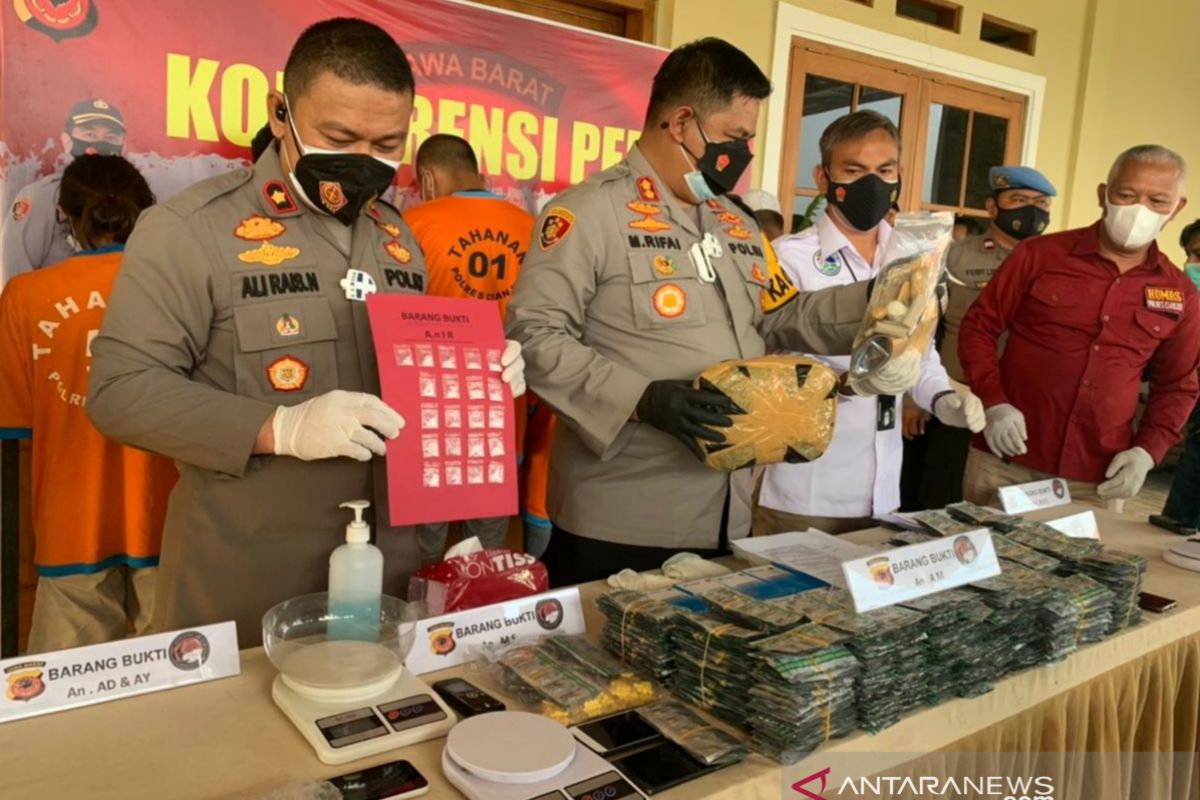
(355, 581)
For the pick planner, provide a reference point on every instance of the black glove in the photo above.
(686, 413)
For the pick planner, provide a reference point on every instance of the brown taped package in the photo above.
(790, 404)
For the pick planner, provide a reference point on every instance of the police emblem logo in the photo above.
(650, 225)
(20, 208)
(332, 196)
(555, 227)
(287, 325)
(278, 197)
(256, 228)
(25, 681)
(399, 252)
(722, 162)
(287, 374)
(58, 19)
(738, 232)
(269, 255)
(647, 190)
(840, 193)
(100, 104)
(664, 265)
(670, 301)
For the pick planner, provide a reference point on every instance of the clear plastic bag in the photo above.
(902, 312)
(567, 678)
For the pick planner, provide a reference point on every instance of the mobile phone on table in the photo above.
(395, 780)
(1154, 602)
(618, 732)
(661, 767)
(467, 699)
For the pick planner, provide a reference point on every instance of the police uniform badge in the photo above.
(647, 190)
(670, 301)
(20, 208)
(269, 255)
(399, 252)
(257, 228)
(287, 374)
(287, 325)
(278, 197)
(664, 265)
(555, 226)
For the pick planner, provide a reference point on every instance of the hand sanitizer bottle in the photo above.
(355, 582)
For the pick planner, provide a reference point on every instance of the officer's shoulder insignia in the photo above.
(20, 208)
(650, 225)
(780, 290)
(555, 226)
(268, 254)
(739, 232)
(399, 252)
(278, 197)
(647, 190)
(255, 228)
(287, 374)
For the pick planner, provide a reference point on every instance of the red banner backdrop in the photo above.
(544, 105)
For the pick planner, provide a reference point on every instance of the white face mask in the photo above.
(1133, 226)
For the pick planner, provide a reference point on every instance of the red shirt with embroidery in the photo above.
(1081, 335)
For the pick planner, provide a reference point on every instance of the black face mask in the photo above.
(343, 184)
(340, 184)
(865, 202)
(722, 164)
(80, 147)
(1023, 222)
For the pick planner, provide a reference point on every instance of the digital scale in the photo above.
(403, 712)
(1185, 554)
(514, 755)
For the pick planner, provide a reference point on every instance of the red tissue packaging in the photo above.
(477, 579)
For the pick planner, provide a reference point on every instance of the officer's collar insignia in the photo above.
(279, 198)
(647, 190)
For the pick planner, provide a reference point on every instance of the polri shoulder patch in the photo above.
(555, 226)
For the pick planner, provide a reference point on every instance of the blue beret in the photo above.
(1001, 178)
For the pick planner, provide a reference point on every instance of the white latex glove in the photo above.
(961, 410)
(1005, 431)
(895, 377)
(639, 581)
(337, 423)
(513, 364)
(1126, 473)
(687, 566)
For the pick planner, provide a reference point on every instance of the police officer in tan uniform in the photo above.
(641, 278)
(237, 341)
(1020, 208)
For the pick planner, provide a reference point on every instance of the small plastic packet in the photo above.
(568, 679)
(902, 312)
(706, 743)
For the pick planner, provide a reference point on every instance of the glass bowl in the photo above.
(346, 647)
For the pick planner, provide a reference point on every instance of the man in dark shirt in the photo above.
(1087, 312)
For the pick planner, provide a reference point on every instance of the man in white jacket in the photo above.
(859, 476)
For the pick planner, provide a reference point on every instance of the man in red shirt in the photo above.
(1087, 311)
